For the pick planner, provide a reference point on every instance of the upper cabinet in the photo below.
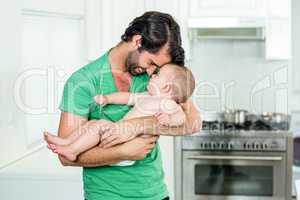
(274, 13)
(106, 21)
(278, 39)
(226, 8)
(278, 8)
(70, 7)
(278, 30)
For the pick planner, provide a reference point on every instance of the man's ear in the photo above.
(137, 41)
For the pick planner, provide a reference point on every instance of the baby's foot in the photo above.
(52, 139)
(64, 151)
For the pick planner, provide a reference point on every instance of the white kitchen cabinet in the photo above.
(167, 6)
(32, 43)
(278, 8)
(71, 7)
(278, 30)
(52, 49)
(278, 39)
(106, 22)
(296, 49)
(226, 8)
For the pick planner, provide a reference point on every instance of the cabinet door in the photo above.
(278, 8)
(296, 50)
(278, 36)
(106, 22)
(167, 6)
(52, 49)
(226, 8)
(73, 7)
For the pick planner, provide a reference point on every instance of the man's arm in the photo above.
(128, 129)
(134, 150)
(150, 125)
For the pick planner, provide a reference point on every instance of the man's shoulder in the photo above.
(90, 71)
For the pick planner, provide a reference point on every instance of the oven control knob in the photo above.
(248, 146)
(213, 145)
(222, 145)
(261, 146)
(230, 146)
(257, 146)
(209, 145)
(266, 146)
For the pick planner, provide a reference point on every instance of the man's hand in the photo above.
(138, 148)
(163, 118)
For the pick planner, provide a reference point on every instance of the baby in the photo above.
(166, 89)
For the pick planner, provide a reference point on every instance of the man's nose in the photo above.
(150, 70)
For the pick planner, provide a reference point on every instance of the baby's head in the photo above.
(172, 80)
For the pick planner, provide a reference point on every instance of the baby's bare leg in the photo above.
(53, 139)
(88, 138)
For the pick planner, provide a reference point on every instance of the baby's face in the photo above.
(158, 81)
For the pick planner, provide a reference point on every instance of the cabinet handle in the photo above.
(209, 157)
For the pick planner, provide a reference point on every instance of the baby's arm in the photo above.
(171, 114)
(118, 98)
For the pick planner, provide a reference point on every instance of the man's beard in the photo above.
(132, 63)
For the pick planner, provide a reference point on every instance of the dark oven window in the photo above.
(233, 180)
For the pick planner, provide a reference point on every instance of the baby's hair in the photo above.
(182, 83)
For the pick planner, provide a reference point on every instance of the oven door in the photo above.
(233, 176)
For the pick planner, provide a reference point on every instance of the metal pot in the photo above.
(280, 118)
(275, 118)
(229, 116)
(240, 116)
(235, 116)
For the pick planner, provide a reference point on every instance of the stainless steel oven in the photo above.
(242, 165)
(233, 176)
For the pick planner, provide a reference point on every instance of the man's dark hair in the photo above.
(157, 29)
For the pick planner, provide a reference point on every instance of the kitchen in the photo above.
(245, 49)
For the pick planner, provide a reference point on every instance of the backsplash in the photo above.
(235, 74)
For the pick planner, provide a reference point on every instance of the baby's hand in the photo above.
(101, 99)
(163, 118)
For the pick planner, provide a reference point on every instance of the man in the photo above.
(149, 42)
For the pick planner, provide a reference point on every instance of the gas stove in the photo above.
(237, 140)
(246, 161)
(258, 125)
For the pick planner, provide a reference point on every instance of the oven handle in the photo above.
(219, 157)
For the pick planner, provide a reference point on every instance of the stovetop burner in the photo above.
(258, 125)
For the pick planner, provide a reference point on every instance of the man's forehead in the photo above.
(162, 57)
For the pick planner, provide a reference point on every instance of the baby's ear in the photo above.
(166, 88)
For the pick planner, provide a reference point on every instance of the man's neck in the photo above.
(117, 58)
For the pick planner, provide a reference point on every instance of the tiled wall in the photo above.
(235, 74)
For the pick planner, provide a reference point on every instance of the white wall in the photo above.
(235, 74)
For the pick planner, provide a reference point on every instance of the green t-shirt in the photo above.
(142, 181)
